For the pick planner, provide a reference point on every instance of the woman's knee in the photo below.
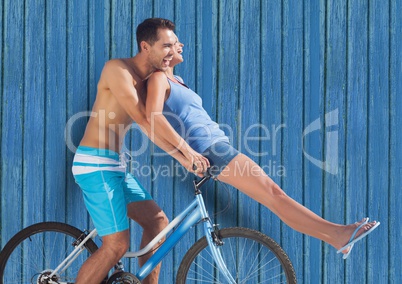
(275, 189)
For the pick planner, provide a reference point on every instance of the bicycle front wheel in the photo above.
(37, 250)
(250, 256)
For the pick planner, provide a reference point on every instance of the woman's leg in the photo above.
(249, 178)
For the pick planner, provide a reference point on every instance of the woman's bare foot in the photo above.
(348, 231)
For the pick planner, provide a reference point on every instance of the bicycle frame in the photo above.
(194, 213)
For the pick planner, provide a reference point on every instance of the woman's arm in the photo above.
(119, 81)
(156, 96)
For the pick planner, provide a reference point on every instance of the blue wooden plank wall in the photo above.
(319, 82)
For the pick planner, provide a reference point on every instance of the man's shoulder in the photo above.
(118, 67)
(116, 62)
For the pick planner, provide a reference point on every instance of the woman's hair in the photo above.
(148, 30)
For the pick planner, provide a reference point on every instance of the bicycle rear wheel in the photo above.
(38, 249)
(250, 256)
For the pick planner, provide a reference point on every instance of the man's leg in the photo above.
(153, 220)
(95, 269)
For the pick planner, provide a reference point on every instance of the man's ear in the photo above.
(144, 46)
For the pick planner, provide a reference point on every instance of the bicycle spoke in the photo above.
(33, 254)
(250, 257)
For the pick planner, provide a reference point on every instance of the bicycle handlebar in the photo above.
(207, 176)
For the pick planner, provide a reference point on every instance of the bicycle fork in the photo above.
(214, 242)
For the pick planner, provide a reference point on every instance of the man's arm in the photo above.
(120, 82)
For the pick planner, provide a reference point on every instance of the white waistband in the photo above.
(79, 170)
(82, 158)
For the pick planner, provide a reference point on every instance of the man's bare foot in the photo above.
(350, 229)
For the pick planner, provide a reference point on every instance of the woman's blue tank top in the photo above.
(183, 109)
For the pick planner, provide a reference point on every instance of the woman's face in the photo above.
(177, 57)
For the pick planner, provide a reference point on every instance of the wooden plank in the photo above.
(55, 119)
(77, 100)
(314, 37)
(378, 140)
(249, 103)
(271, 105)
(356, 139)
(121, 32)
(1, 114)
(334, 123)
(164, 9)
(292, 113)
(12, 119)
(186, 18)
(34, 113)
(140, 13)
(228, 97)
(395, 154)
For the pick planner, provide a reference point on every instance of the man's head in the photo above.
(148, 30)
(156, 38)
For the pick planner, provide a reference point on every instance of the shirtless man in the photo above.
(110, 193)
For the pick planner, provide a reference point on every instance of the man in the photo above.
(110, 193)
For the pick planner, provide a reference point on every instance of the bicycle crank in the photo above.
(123, 278)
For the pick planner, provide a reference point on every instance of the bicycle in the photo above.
(229, 255)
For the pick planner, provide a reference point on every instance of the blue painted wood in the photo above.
(12, 120)
(300, 60)
(34, 112)
(292, 117)
(77, 99)
(55, 169)
(249, 104)
(271, 106)
(395, 151)
(357, 117)
(1, 115)
(378, 137)
(228, 77)
(314, 25)
(334, 129)
(140, 13)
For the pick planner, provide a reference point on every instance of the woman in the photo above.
(171, 103)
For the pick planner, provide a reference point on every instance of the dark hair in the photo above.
(148, 30)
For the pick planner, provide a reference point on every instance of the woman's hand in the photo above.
(195, 162)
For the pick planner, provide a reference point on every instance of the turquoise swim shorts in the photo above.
(107, 188)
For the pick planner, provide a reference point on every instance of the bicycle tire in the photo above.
(270, 265)
(26, 256)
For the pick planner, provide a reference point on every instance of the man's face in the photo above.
(161, 52)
